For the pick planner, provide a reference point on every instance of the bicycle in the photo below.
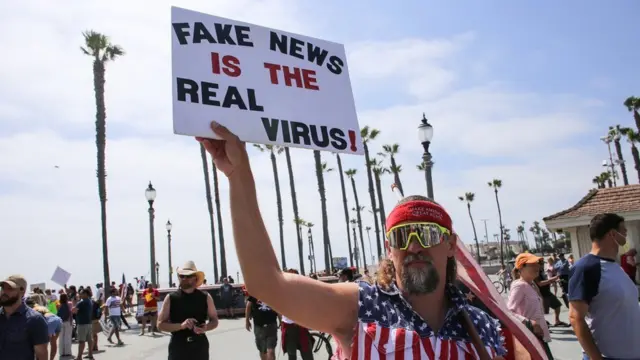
(318, 339)
(501, 286)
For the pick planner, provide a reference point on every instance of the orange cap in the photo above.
(526, 258)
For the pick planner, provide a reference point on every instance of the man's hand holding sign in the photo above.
(266, 86)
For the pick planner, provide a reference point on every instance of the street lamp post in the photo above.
(312, 253)
(373, 259)
(356, 250)
(425, 134)
(612, 165)
(150, 194)
(157, 272)
(169, 227)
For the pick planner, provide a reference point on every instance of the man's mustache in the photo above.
(411, 257)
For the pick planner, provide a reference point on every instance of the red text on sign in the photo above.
(292, 76)
(228, 64)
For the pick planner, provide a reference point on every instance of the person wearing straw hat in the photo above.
(185, 313)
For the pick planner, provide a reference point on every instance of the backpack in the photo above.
(63, 312)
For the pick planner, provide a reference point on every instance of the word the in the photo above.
(301, 133)
(205, 93)
(230, 65)
(225, 34)
(302, 77)
(295, 47)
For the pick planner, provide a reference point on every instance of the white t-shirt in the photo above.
(99, 294)
(114, 303)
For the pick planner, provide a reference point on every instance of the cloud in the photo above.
(535, 142)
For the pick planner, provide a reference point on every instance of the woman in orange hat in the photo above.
(525, 300)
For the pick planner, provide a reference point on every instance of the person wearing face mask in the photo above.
(413, 311)
(603, 301)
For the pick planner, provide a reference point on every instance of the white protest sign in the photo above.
(60, 276)
(265, 85)
(42, 286)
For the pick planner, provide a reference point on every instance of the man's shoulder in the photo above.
(589, 264)
(34, 318)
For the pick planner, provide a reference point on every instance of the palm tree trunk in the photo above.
(475, 234)
(216, 197)
(207, 187)
(372, 196)
(636, 117)
(359, 220)
(383, 220)
(323, 204)
(396, 176)
(101, 172)
(346, 208)
(623, 166)
(636, 159)
(501, 229)
(276, 180)
(294, 199)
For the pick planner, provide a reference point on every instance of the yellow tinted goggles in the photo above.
(427, 234)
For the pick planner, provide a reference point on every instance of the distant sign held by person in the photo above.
(267, 86)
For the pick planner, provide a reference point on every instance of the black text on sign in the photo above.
(292, 76)
(298, 133)
(296, 48)
(206, 93)
(225, 34)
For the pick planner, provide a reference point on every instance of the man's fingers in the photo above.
(222, 131)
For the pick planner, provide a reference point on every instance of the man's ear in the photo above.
(453, 240)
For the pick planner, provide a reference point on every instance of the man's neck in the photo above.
(603, 252)
(9, 310)
(188, 291)
(431, 307)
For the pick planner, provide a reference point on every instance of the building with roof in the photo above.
(622, 200)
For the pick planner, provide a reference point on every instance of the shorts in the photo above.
(54, 325)
(550, 301)
(225, 304)
(116, 321)
(266, 337)
(150, 313)
(85, 332)
(96, 327)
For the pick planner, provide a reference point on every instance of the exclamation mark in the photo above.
(352, 139)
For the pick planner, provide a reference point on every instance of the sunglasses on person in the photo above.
(186, 276)
(427, 235)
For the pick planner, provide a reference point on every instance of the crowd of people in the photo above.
(414, 307)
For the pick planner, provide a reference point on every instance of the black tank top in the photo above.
(185, 306)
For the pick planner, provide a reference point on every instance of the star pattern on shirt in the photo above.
(388, 308)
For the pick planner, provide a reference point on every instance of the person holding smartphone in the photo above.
(185, 313)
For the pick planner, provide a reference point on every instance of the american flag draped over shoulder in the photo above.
(520, 342)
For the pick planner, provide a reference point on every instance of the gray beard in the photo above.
(419, 281)
(9, 301)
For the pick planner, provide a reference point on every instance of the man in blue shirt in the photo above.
(562, 269)
(23, 331)
(604, 309)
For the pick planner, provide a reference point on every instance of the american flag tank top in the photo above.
(389, 329)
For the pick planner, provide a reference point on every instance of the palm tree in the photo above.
(496, 184)
(321, 168)
(537, 233)
(102, 51)
(273, 150)
(207, 188)
(520, 231)
(368, 134)
(294, 199)
(379, 170)
(350, 174)
(346, 208)
(392, 151)
(632, 104)
(524, 234)
(421, 166)
(299, 224)
(616, 133)
(633, 137)
(216, 199)
(468, 198)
